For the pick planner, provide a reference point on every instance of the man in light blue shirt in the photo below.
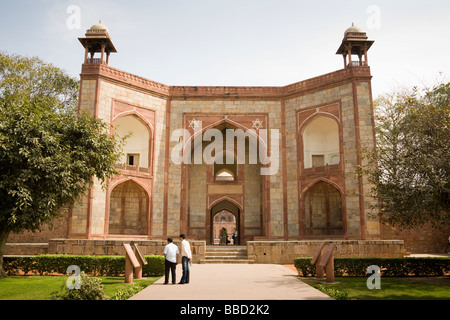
(170, 253)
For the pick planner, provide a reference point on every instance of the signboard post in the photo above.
(316, 261)
(327, 261)
(141, 260)
(131, 262)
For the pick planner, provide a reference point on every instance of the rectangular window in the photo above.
(133, 160)
(318, 160)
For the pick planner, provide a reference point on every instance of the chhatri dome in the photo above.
(99, 26)
(98, 30)
(353, 29)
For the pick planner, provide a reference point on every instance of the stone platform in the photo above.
(284, 252)
(274, 252)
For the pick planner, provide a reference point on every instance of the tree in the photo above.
(410, 168)
(49, 153)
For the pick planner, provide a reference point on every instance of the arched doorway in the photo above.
(230, 169)
(224, 214)
(223, 220)
(128, 213)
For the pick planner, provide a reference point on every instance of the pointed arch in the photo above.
(190, 140)
(129, 208)
(320, 140)
(135, 180)
(319, 113)
(222, 199)
(224, 204)
(321, 179)
(323, 208)
(141, 144)
(135, 113)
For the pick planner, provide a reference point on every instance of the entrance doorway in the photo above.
(223, 220)
(225, 215)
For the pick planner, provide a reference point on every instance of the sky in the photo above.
(237, 42)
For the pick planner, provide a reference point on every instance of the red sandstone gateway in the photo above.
(313, 195)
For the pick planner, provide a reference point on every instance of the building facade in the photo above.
(275, 164)
(310, 131)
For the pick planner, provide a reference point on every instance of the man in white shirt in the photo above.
(186, 257)
(170, 253)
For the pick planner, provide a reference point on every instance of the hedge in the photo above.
(390, 267)
(112, 266)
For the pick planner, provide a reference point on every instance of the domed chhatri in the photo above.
(97, 40)
(356, 43)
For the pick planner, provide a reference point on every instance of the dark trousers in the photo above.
(170, 266)
(185, 265)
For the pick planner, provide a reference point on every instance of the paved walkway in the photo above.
(234, 282)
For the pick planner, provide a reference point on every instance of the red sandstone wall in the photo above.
(420, 240)
(60, 229)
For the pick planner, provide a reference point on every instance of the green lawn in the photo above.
(40, 287)
(408, 288)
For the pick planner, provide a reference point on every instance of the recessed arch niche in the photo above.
(138, 140)
(323, 210)
(321, 142)
(129, 209)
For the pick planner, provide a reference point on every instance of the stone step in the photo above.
(225, 261)
(226, 257)
(226, 254)
(226, 249)
(230, 247)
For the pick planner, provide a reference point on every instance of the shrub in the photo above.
(390, 267)
(128, 292)
(90, 289)
(334, 293)
(154, 266)
(112, 266)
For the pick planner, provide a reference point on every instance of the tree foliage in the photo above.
(411, 175)
(31, 80)
(49, 153)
